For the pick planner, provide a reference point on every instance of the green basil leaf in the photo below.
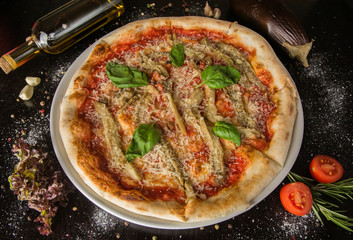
(125, 77)
(227, 131)
(177, 56)
(144, 138)
(217, 76)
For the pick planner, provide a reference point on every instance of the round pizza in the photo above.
(179, 118)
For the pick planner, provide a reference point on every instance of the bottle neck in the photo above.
(18, 56)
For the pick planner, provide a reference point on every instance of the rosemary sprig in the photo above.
(321, 192)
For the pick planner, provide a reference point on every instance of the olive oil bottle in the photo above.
(61, 28)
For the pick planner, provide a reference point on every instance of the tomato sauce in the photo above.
(151, 35)
(223, 104)
(265, 109)
(236, 164)
(163, 193)
(198, 34)
(264, 76)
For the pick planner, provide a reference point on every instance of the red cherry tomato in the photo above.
(296, 198)
(325, 169)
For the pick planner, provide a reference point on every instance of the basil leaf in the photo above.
(177, 55)
(227, 131)
(217, 76)
(144, 138)
(125, 77)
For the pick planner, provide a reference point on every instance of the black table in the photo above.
(325, 89)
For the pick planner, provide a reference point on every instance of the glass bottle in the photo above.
(61, 28)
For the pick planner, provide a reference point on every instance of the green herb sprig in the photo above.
(227, 131)
(322, 194)
(143, 140)
(217, 76)
(125, 77)
(177, 55)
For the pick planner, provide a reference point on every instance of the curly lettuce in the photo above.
(37, 178)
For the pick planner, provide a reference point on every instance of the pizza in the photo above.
(179, 118)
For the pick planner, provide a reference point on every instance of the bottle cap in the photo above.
(7, 63)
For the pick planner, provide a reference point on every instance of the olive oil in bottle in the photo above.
(61, 28)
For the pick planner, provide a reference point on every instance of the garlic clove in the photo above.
(208, 10)
(26, 93)
(33, 81)
(217, 13)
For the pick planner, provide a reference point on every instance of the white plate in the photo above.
(133, 217)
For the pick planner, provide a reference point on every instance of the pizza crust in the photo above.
(263, 167)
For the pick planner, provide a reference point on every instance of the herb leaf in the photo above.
(125, 77)
(144, 138)
(227, 131)
(217, 76)
(177, 55)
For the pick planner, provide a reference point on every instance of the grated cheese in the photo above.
(191, 150)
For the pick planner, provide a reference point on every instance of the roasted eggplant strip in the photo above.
(196, 98)
(242, 117)
(242, 64)
(111, 135)
(216, 151)
(210, 47)
(178, 118)
(194, 54)
(120, 98)
(211, 111)
(139, 107)
(131, 101)
(249, 133)
(274, 19)
(149, 64)
(178, 171)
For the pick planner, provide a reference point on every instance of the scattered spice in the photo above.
(154, 238)
(12, 115)
(42, 103)
(202, 228)
(230, 226)
(74, 209)
(126, 224)
(118, 235)
(216, 226)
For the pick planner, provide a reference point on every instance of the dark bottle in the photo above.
(61, 28)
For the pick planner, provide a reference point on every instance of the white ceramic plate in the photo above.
(133, 217)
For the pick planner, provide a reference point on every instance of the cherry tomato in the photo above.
(296, 198)
(325, 169)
